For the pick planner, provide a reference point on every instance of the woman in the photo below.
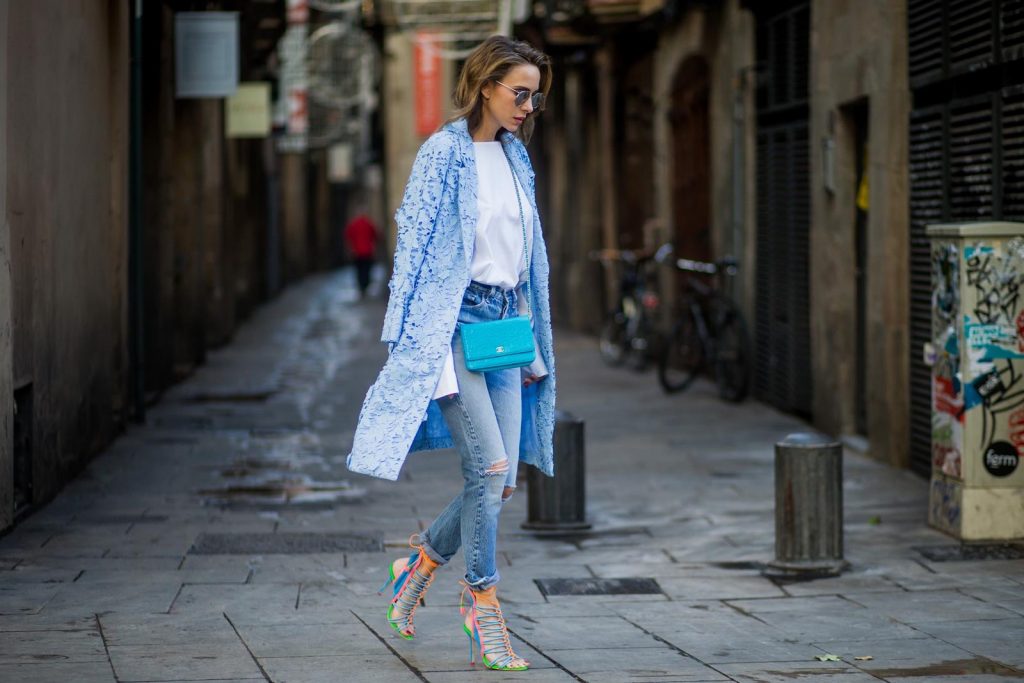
(470, 250)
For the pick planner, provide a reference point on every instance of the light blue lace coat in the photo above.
(436, 237)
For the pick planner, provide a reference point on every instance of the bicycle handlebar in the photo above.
(630, 256)
(729, 265)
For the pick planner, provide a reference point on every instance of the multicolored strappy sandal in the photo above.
(411, 577)
(485, 625)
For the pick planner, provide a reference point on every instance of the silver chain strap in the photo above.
(522, 223)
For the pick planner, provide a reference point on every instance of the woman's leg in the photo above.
(479, 433)
(505, 390)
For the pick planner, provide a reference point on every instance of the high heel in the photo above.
(485, 625)
(411, 577)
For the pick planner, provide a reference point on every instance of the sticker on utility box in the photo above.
(982, 336)
(1000, 458)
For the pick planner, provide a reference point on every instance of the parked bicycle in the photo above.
(628, 332)
(710, 333)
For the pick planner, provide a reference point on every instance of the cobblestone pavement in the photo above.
(226, 541)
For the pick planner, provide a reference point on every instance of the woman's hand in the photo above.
(532, 379)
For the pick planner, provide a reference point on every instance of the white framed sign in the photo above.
(205, 54)
(247, 112)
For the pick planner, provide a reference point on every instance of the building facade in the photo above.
(812, 139)
(135, 234)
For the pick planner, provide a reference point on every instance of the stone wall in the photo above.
(6, 388)
(858, 60)
(66, 173)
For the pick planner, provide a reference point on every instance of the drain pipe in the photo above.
(739, 171)
(135, 245)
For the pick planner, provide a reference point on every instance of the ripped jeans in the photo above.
(484, 419)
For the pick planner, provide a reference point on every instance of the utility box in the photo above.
(976, 353)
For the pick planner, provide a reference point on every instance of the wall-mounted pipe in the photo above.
(136, 346)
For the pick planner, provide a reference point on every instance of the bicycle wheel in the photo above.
(682, 356)
(640, 346)
(613, 340)
(732, 358)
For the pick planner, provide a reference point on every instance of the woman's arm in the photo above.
(415, 217)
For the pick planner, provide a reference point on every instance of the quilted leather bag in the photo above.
(498, 344)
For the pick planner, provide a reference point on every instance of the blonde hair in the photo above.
(491, 61)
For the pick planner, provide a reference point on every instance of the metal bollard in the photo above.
(558, 503)
(808, 507)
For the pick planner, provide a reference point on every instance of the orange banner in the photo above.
(427, 75)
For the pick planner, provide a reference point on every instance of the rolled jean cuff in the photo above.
(429, 550)
(484, 583)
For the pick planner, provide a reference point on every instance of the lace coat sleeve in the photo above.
(415, 219)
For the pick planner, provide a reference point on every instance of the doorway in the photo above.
(857, 118)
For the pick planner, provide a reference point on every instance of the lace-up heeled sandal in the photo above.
(411, 577)
(485, 625)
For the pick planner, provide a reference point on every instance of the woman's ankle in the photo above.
(486, 596)
(427, 564)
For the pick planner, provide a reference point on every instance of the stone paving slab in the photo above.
(472, 676)
(31, 572)
(786, 672)
(974, 678)
(28, 647)
(998, 640)
(841, 624)
(257, 599)
(59, 672)
(906, 654)
(851, 584)
(171, 630)
(355, 668)
(725, 644)
(47, 622)
(930, 606)
(619, 665)
(722, 587)
(310, 640)
(573, 633)
(104, 596)
(138, 663)
(26, 598)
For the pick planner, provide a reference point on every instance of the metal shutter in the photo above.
(971, 34)
(1011, 29)
(1012, 175)
(971, 159)
(782, 324)
(927, 194)
(925, 40)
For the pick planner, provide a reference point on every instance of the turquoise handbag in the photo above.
(502, 344)
(498, 344)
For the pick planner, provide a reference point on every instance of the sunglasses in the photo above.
(523, 94)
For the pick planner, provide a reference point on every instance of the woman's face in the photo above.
(500, 100)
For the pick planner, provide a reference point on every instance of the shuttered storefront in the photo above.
(782, 328)
(966, 67)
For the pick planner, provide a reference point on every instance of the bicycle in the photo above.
(628, 330)
(710, 334)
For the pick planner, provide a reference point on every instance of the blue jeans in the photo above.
(484, 419)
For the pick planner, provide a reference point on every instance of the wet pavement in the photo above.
(226, 541)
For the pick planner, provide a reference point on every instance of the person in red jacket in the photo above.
(361, 236)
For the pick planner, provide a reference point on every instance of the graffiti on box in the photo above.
(945, 286)
(947, 427)
(991, 351)
(994, 277)
(944, 505)
(947, 399)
